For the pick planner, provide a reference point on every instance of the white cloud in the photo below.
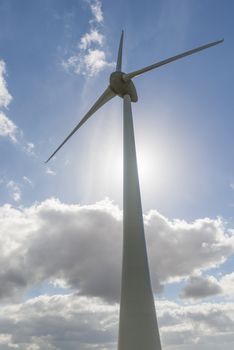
(5, 96)
(53, 240)
(8, 128)
(90, 63)
(27, 180)
(60, 283)
(14, 190)
(29, 148)
(95, 61)
(91, 56)
(179, 249)
(73, 322)
(49, 171)
(59, 322)
(227, 284)
(96, 9)
(203, 326)
(93, 37)
(80, 247)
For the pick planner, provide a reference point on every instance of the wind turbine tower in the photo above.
(138, 328)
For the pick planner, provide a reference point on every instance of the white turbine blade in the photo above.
(169, 60)
(105, 97)
(119, 59)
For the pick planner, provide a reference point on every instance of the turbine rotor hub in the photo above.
(122, 87)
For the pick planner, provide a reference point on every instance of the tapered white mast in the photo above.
(138, 328)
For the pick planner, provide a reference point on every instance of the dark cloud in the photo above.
(201, 287)
(80, 245)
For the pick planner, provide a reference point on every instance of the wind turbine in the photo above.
(138, 328)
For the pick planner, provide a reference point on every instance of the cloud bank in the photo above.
(75, 251)
(69, 322)
(81, 246)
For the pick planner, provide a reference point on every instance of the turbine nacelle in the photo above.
(122, 87)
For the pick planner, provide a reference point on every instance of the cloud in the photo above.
(49, 171)
(95, 61)
(90, 63)
(8, 128)
(5, 96)
(81, 246)
(200, 287)
(91, 57)
(96, 9)
(74, 322)
(14, 190)
(29, 148)
(203, 326)
(59, 322)
(178, 248)
(89, 38)
(11, 131)
(27, 180)
(227, 284)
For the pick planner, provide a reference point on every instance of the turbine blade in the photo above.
(169, 60)
(119, 59)
(105, 97)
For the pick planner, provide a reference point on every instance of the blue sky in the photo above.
(55, 60)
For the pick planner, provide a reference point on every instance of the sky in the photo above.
(61, 222)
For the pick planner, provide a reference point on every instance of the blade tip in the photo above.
(46, 161)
